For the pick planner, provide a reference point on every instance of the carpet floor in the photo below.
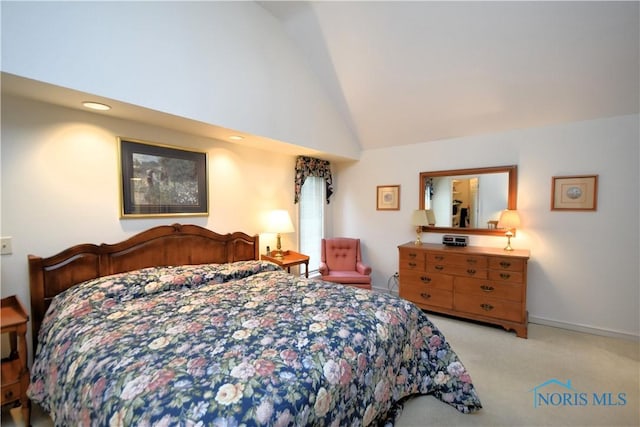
(604, 375)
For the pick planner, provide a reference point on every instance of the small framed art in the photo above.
(574, 193)
(388, 198)
(161, 180)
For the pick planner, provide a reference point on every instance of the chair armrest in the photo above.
(323, 269)
(363, 268)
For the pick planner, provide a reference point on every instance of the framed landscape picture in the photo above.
(161, 180)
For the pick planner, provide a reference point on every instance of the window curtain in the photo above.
(308, 166)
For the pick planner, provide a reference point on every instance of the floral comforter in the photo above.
(236, 345)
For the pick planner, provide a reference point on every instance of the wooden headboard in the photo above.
(159, 246)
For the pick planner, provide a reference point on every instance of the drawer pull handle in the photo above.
(487, 288)
(439, 267)
(425, 279)
(412, 264)
(504, 276)
(472, 261)
(8, 395)
(486, 307)
(471, 271)
(425, 296)
(412, 255)
(439, 257)
(505, 264)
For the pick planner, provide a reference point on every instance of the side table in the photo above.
(290, 259)
(15, 374)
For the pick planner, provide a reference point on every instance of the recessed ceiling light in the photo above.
(236, 137)
(96, 105)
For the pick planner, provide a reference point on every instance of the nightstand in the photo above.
(290, 259)
(15, 374)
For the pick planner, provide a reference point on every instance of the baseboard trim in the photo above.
(583, 328)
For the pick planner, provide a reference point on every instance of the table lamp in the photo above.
(278, 222)
(419, 218)
(509, 220)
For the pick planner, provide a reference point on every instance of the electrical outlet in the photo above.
(5, 246)
(396, 275)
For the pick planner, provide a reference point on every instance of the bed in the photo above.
(179, 325)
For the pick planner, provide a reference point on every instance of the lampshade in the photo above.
(279, 221)
(419, 217)
(509, 219)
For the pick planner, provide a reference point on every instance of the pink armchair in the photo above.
(341, 262)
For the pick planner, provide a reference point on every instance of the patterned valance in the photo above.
(308, 166)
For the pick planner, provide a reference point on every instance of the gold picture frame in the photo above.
(388, 198)
(574, 193)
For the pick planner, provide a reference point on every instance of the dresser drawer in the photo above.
(509, 264)
(487, 288)
(411, 265)
(424, 295)
(506, 276)
(463, 260)
(411, 260)
(490, 307)
(412, 255)
(10, 393)
(458, 270)
(424, 280)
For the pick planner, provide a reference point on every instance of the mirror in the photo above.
(468, 201)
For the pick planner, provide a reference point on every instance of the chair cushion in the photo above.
(341, 254)
(346, 277)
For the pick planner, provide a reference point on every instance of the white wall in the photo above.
(583, 271)
(60, 184)
(228, 64)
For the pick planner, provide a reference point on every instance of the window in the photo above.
(311, 219)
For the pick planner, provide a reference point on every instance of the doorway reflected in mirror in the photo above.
(469, 199)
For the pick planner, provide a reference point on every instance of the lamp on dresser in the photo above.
(419, 219)
(509, 220)
(278, 222)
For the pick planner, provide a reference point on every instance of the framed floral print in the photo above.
(388, 198)
(574, 193)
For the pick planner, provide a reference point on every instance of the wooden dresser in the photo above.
(484, 284)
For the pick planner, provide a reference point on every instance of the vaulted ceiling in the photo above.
(410, 72)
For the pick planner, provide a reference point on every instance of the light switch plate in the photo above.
(5, 246)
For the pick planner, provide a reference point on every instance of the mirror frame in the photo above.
(512, 200)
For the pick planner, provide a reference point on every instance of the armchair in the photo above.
(341, 262)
